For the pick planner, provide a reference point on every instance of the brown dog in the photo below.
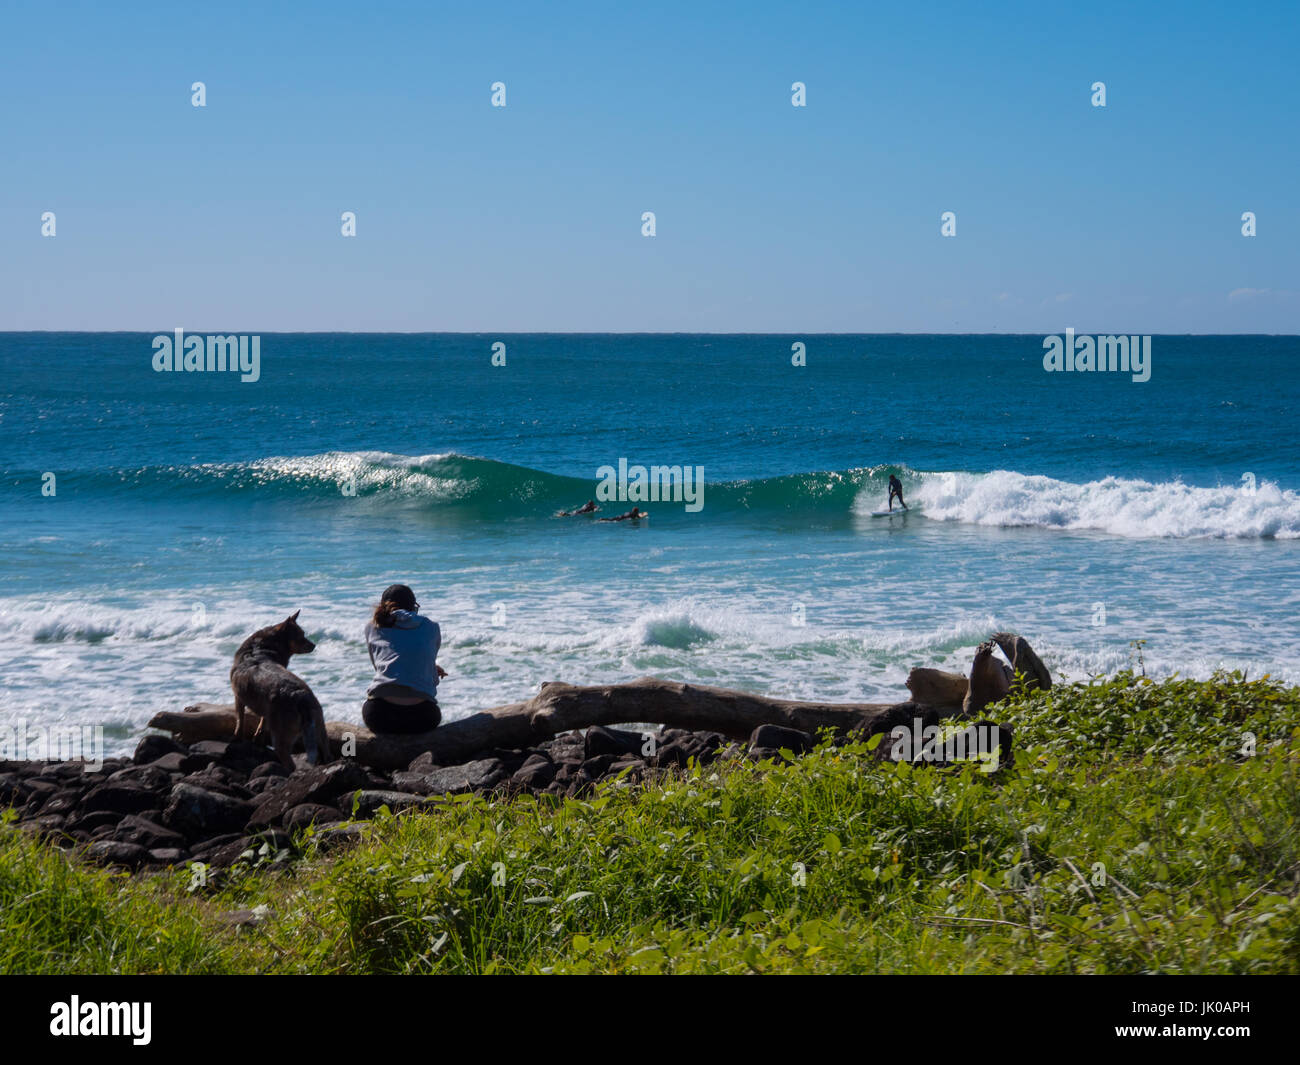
(263, 684)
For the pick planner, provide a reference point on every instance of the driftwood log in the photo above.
(937, 687)
(991, 679)
(1023, 660)
(942, 689)
(556, 708)
(561, 707)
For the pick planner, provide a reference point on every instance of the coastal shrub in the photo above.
(1133, 834)
(62, 916)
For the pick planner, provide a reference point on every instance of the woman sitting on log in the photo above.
(403, 649)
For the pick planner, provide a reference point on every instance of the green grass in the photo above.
(1132, 835)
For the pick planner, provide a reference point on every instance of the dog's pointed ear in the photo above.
(293, 618)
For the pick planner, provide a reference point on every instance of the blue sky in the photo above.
(769, 217)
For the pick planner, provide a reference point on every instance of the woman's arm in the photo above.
(435, 644)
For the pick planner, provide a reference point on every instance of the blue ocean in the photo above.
(152, 519)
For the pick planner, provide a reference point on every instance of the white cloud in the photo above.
(1276, 295)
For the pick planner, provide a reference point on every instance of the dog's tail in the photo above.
(314, 738)
(311, 720)
(309, 740)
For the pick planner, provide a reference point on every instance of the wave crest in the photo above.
(1121, 507)
(480, 488)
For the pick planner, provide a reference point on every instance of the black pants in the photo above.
(382, 716)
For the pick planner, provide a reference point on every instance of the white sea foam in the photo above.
(1121, 507)
(119, 659)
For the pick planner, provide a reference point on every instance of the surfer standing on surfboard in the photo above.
(895, 489)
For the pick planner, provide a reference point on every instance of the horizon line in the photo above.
(605, 332)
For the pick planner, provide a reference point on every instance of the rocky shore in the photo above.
(217, 802)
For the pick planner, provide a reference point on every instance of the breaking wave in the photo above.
(487, 489)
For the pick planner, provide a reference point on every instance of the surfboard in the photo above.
(889, 513)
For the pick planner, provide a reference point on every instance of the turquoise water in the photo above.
(191, 508)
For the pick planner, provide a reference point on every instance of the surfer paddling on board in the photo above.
(895, 489)
(634, 514)
(588, 507)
